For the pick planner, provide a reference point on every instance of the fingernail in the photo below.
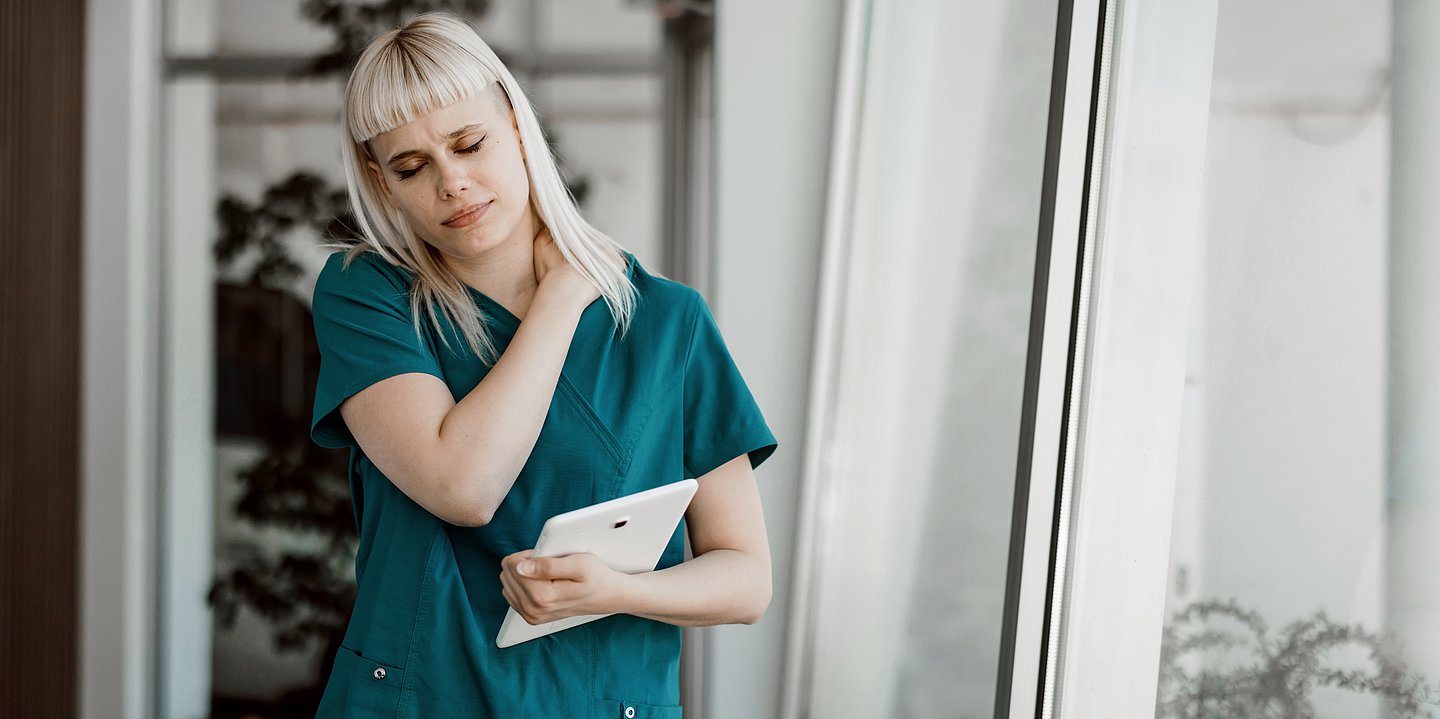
(526, 567)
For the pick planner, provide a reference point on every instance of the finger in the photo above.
(507, 582)
(519, 599)
(532, 593)
(546, 568)
(522, 588)
(510, 560)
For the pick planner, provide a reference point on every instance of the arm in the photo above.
(459, 460)
(727, 582)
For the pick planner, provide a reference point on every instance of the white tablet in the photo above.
(629, 533)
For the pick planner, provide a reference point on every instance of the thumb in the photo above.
(547, 568)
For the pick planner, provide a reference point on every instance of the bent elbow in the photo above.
(476, 519)
(755, 618)
(478, 512)
(758, 612)
(466, 506)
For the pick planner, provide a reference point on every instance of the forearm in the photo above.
(722, 586)
(489, 434)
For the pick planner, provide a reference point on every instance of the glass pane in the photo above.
(269, 29)
(600, 25)
(911, 585)
(266, 28)
(607, 132)
(1304, 521)
(267, 137)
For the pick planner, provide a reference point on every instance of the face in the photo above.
(465, 159)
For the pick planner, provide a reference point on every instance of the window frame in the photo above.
(1120, 208)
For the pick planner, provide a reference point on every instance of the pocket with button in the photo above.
(361, 688)
(618, 709)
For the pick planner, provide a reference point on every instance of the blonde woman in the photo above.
(482, 386)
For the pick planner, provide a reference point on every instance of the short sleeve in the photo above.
(364, 329)
(721, 419)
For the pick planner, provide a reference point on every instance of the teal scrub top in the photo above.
(664, 404)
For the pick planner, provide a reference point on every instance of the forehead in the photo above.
(434, 127)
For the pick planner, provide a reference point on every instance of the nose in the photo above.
(453, 181)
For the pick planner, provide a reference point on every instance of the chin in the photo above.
(475, 243)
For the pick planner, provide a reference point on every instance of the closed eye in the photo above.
(473, 147)
(407, 174)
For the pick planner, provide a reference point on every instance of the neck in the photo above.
(505, 273)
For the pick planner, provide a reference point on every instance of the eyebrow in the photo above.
(408, 153)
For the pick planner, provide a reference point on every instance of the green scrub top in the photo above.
(664, 404)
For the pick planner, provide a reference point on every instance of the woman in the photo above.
(523, 396)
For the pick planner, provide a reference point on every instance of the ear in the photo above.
(515, 124)
(380, 180)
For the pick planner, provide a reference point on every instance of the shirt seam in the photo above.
(411, 654)
(690, 341)
(592, 419)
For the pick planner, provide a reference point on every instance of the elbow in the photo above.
(756, 614)
(467, 505)
(762, 603)
(476, 518)
(478, 511)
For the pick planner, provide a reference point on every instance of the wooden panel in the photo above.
(41, 73)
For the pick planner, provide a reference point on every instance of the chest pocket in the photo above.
(591, 418)
(624, 430)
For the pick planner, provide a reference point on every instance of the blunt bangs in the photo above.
(409, 75)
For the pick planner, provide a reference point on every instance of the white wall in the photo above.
(775, 75)
(119, 305)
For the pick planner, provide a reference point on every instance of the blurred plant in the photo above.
(304, 592)
(1277, 681)
(354, 23)
(674, 9)
(299, 201)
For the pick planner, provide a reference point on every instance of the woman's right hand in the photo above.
(552, 267)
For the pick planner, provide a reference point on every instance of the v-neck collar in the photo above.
(508, 318)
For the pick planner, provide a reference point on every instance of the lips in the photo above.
(467, 215)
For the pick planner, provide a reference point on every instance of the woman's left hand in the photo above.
(558, 587)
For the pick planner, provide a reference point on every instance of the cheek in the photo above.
(416, 210)
(518, 179)
(521, 180)
(509, 171)
(410, 202)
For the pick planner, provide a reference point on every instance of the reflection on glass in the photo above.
(1286, 557)
(910, 587)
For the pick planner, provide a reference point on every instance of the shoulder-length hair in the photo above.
(434, 60)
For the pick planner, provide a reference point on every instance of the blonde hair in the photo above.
(435, 60)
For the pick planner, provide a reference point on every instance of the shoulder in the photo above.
(365, 272)
(666, 314)
(662, 296)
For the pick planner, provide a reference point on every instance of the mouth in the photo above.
(467, 215)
